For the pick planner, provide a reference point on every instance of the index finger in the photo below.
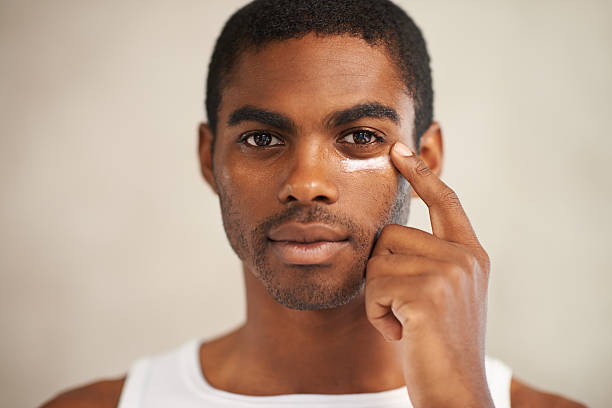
(448, 219)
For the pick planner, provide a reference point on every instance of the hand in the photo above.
(430, 293)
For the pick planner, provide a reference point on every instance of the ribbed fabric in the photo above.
(175, 379)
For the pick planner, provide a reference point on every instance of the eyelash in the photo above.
(377, 138)
(243, 139)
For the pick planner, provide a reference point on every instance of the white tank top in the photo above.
(175, 379)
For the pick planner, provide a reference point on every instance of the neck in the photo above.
(329, 351)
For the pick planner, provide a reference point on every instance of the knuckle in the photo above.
(410, 316)
(387, 232)
(468, 261)
(390, 229)
(437, 289)
(370, 306)
(403, 313)
(449, 199)
(372, 313)
(382, 237)
(486, 260)
(421, 168)
(455, 273)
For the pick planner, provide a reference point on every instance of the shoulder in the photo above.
(524, 396)
(100, 394)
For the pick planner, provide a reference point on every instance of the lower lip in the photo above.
(311, 253)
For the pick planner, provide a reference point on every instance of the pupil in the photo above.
(361, 137)
(262, 139)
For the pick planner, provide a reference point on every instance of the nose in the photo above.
(309, 179)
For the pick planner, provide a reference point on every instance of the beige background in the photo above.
(111, 246)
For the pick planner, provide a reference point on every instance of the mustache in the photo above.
(308, 214)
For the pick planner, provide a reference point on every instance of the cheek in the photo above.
(370, 194)
(251, 187)
(374, 180)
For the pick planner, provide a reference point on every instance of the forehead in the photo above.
(306, 78)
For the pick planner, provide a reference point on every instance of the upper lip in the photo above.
(297, 232)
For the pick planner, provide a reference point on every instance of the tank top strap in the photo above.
(135, 384)
(499, 376)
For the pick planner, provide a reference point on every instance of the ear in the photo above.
(431, 149)
(204, 145)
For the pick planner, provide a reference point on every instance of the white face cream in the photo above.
(375, 163)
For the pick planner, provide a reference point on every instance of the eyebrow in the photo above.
(374, 110)
(365, 110)
(252, 113)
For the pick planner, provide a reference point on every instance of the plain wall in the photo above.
(112, 247)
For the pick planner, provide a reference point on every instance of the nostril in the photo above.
(306, 189)
(321, 198)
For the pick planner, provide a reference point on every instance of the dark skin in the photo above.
(423, 296)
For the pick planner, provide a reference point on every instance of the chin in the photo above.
(310, 287)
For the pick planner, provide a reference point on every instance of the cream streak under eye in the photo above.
(374, 163)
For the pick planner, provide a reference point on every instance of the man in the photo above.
(316, 112)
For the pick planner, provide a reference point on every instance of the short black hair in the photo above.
(378, 22)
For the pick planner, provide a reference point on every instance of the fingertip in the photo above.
(403, 150)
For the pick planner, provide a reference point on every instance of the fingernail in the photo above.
(402, 149)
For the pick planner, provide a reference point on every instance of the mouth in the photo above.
(307, 244)
(307, 253)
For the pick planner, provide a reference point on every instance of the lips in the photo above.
(307, 244)
(305, 233)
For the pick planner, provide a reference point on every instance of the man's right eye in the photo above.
(261, 139)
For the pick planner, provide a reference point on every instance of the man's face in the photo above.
(302, 167)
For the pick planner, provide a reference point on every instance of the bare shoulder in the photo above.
(525, 396)
(100, 394)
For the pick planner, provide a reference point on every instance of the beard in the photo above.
(311, 287)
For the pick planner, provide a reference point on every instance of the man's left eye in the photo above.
(361, 137)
